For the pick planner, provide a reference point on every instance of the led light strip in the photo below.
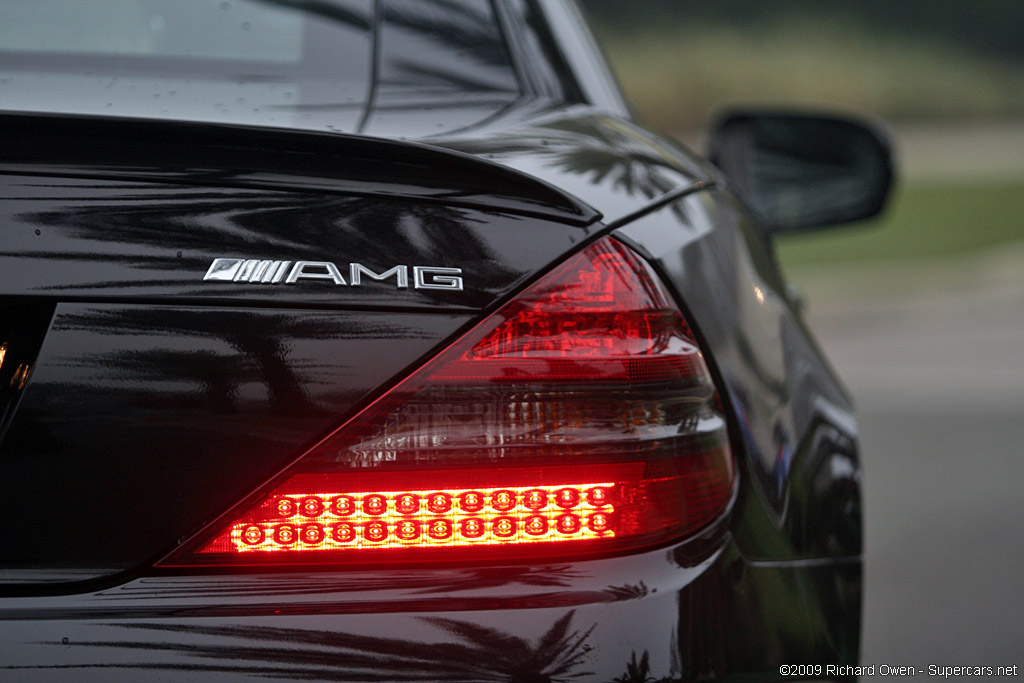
(426, 518)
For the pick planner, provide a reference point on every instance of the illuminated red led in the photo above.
(387, 519)
(311, 506)
(472, 527)
(440, 529)
(312, 534)
(407, 530)
(253, 535)
(407, 503)
(439, 503)
(375, 531)
(471, 501)
(536, 525)
(598, 522)
(504, 527)
(567, 498)
(375, 504)
(597, 496)
(286, 507)
(343, 506)
(343, 532)
(535, 499)
(285, 534)
(503, 500)
(568, 524)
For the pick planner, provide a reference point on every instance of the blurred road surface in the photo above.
(935, 360)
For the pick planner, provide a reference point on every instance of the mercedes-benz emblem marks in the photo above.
(267, 272)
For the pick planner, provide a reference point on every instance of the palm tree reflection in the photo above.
(639, 672)
(600, 149)
(471, 652)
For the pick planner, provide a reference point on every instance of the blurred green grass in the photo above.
(925, 221)
(675, 75)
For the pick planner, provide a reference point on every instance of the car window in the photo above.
(233, 30)
(443, 46)
(293, 63)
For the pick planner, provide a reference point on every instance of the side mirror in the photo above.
(803, 171)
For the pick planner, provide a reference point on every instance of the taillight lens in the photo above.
(580, 418)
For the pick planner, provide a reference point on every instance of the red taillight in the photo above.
(579, 418)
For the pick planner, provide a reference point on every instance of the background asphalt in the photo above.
(934, 355)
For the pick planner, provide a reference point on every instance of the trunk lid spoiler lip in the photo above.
(231, 155)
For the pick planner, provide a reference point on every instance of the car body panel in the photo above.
(611, 164)
(74, 238)
(142, 421)
(705, 612)
(722, 270)
(141, 373)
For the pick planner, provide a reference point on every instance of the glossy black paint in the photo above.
(22, 330)
(266, 158)
(725, 276)
(143, 422)
(148, 376)
(691, 612)
(86, 239)
(610, 163)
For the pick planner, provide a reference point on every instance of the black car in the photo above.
(371, 340)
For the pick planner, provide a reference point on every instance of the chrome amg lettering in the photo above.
(357, 270)
(440, 278)
(247, 270)
(330, 272)
(272, 272)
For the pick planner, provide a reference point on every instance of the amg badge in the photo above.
(255, 271)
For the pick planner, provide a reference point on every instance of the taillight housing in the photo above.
(578, 419)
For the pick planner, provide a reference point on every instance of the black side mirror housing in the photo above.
(803, 171)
